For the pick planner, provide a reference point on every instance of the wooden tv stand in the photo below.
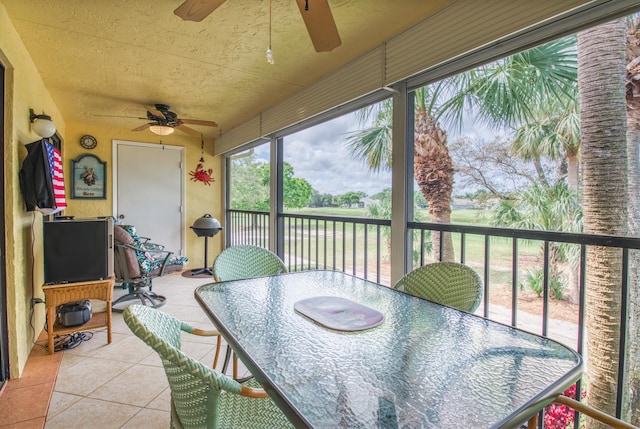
(57, 294)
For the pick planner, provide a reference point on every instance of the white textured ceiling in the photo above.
(107, 58)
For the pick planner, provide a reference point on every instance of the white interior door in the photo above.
(149, 191)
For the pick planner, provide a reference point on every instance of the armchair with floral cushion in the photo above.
(137, 261)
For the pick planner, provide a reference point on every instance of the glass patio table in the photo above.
(425, 366)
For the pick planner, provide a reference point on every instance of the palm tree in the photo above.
(632, 401)
(553, 208)
(505, 92)
(601, 61)
(552, 131)
(433, 170)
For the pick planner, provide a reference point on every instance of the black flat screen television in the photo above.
(77, 250)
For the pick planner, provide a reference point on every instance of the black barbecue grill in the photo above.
(205, 226)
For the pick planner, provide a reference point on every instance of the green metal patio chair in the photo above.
(201, 397)
(243, 262)
(246, 261)
(448, 283)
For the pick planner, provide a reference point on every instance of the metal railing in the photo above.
(247, 227)
(506, 260)
(348, 244)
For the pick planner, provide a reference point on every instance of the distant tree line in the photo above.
(250, 188)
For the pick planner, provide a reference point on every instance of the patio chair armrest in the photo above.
(251, 392)
(144, 249)
(204, 333)
(197, 331)
(165, 261)
(164, 255)
(150, 245)
(593, 413)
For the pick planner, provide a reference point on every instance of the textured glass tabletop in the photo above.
(424, 366)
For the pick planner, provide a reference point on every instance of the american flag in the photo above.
(57, 178)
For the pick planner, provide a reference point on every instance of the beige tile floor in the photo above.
(122, 384)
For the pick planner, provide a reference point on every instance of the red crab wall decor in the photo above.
(202, 175)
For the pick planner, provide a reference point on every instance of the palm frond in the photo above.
(372, 146)
(507, 91)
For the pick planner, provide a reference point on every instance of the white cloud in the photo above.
(319, 155)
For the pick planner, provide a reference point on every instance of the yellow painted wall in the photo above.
(201, 199)
(24, 89)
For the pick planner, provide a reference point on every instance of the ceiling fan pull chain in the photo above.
(270, 59)
(202, 148)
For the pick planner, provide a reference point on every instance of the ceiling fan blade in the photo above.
(197, 10)
(199, 122)
(155, 112)
(320, 24)
(189, 131)
(141, 127)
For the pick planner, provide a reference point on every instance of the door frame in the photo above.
(114, 182)
(4, 325)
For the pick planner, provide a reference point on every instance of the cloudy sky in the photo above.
(319, 155)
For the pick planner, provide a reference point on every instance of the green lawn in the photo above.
(330, 211)
(465, 216)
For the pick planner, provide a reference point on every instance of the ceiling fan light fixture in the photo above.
(161, 130)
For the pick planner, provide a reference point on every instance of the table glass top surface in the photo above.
(425, 366)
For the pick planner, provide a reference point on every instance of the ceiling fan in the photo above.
(164, 122)
(317, 18)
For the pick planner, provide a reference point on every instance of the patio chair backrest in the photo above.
(447, 283)
(246, 261)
